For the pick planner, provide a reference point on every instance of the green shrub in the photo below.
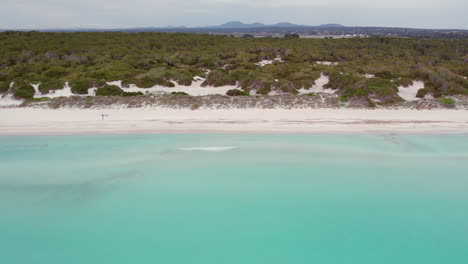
(4, 87)
(164, 83)
(360, 89)
(342, 81)
(98, 83)
(128, 94)
(449, 102)
(39, 99)
(186, 81)
(219, 78)
(127, 82)
(55, 72)
(182, 77)
(381, 86)
(405, 82)
(303, 77)
(265, 90)
(237, 92)
(145, 82)
(385, 75)
(45, 87)
(109, 90)
(23, 90)
(286, 86)
(148, 82)
(80, 86)
(260, 82)
(422, 92)
(179, 93)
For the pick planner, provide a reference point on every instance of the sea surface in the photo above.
(211, 198)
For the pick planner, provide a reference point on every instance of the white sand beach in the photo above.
(19, 121)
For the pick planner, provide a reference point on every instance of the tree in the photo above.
(292, 35)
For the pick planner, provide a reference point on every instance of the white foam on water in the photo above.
(213, 149)
(409, 93)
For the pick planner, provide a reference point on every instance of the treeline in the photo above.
(87, 60)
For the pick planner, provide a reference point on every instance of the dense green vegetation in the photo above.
(113, 90)
(447, 102)
(82, 86)
(180, 93)
(360, 88)
(49, 85)
(237, 92)
(4, 87)
(39, 99)
(23, 90)
(109, 90)
(87, 60)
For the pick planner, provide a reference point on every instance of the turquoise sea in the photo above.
(209, 198)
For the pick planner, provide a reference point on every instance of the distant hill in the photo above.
(232, 25)
(238, 24)
(285, 24)
(331, 25)
(238, 28)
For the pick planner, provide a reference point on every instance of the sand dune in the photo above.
(409, 93)
(195, 89)
(318, 86)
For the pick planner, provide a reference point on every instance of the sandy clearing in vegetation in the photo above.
(195, 89)
(267, 62)
(328, 63)
(66, 92)
(409, 93)
(9, 100)
(318, 86)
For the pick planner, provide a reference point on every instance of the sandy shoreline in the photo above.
(32, 121)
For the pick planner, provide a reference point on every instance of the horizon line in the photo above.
(96, 27)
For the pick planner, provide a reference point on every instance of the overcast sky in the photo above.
(34, 14)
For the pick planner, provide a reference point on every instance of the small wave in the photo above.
(209, 149)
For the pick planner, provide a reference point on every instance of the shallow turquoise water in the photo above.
(268, 199)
